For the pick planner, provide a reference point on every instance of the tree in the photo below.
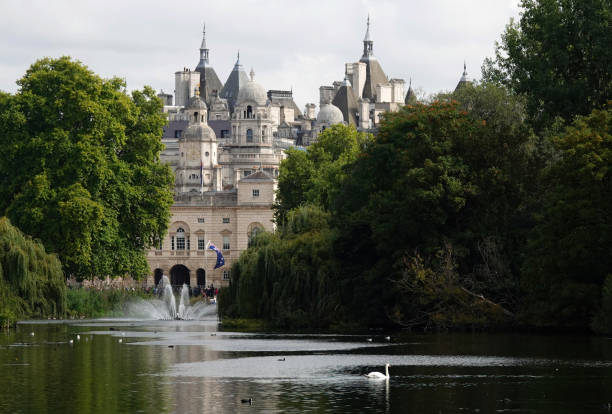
(80, 168)
(313, 175)
(570, 249)
(31, 280)
(558, 55)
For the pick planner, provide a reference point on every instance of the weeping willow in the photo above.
(31, 281)
(287, 278)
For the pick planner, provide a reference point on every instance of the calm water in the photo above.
(190, 367)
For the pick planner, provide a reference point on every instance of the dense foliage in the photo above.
(31, 280)
(568, 271)
(558, 55)
(80, 167)
(287, 278)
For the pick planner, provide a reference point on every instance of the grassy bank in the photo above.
(93, 303)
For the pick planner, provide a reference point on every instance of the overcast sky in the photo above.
(290, 44)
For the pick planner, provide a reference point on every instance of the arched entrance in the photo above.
(201, 277)
(179, 274)
(157, 276)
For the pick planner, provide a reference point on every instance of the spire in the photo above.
(368, 44)
(203, 50)
(203, 45)
(464, 75)
(464, 78)
(367, 35)
(238, 66)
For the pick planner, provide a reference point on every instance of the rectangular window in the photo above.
(172, 242)
(226, 243)
(225, 220)
(180, 243)
(255, 193)
(201, 243)
(200, 219)
(226, 275)
(247, 173)
(178, 133)
(188, 244)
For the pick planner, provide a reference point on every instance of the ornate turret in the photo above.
(235, 81)
(368, 44)
(410, 96)
(209, 81)
(464, 78)
(374, 72)
(203, 49)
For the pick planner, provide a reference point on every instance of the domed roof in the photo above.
(252, 91)
(196, 103)
(199, 132)
(330, 114)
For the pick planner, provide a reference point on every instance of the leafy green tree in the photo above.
(570, 251)
(313, 175)
(287, 278)
(558, 55)
(31, 280)
(80, 168)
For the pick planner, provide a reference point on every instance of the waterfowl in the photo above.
(281, 359)
(378, 375)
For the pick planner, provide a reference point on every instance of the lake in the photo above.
(150, 366)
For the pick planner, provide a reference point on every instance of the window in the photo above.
(180, 239)
(201, 243)
(247, 173)
(249, 135)
(226, 220)
(225, 133)
(226, 275)
(178, 133)
(218, 116)
(172, 242)
(207, 153)
(255, 193)
(226, 243)
(249, 112)
(201, 220)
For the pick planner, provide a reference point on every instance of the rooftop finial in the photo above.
(464, 69)
(252, 74)
(367, 35)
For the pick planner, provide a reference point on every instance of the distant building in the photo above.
(225, 142)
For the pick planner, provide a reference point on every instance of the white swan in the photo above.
(375, 374)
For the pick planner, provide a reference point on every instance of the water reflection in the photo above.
(190, 367)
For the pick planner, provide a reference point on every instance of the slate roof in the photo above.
(232, 86)
(410, 96)
(347, 103)
(374, 76)
(212, 82)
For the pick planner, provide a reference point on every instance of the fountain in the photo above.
(165, 308)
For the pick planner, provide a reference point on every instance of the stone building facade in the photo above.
(225, 142)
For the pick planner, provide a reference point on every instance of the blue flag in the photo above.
(220, 259)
